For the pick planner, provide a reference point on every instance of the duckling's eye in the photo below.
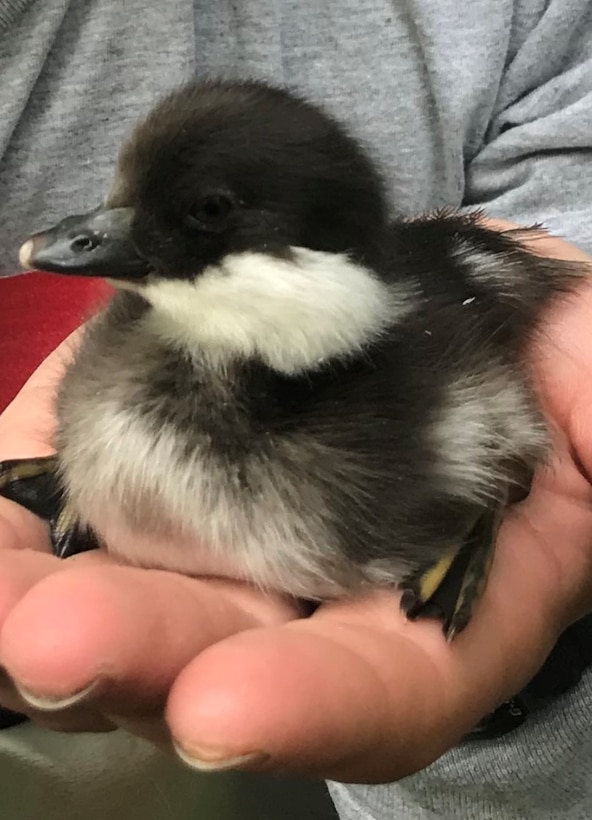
(210, 212)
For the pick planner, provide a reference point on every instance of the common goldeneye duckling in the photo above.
(288, 387)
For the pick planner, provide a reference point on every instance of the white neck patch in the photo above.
(293, 313)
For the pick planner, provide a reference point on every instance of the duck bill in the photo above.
(95, 244)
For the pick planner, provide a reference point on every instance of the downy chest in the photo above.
(183, 469)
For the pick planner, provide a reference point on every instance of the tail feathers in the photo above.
(515, 264)
(508, 271)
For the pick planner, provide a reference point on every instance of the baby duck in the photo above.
(287, 387)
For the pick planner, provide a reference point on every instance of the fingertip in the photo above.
(59, 638)
(293, 700)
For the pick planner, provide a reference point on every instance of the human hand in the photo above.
(67, 624)
(352, 693)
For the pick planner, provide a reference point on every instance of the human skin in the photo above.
(229, 676)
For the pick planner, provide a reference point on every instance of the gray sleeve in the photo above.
(536, 162)
(541, 771)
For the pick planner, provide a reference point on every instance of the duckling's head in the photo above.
(235, 197)
(218, 168)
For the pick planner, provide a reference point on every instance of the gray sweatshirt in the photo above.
(479, 103)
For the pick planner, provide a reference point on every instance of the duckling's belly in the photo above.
(187, 553)
(156, 502)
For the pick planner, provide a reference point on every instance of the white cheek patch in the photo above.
(292, 312)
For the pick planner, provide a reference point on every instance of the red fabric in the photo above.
(38, 311)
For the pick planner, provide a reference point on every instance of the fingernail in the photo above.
(217, 760)
(49, 704)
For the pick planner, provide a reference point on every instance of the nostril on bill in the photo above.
(84, 243)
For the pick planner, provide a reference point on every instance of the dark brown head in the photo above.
(219, 168)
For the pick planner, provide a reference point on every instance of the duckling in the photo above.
(289, 386)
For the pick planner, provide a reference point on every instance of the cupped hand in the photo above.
(236, 678)
(85, 637)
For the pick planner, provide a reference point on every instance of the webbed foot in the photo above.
(450, 589)
(34, 484)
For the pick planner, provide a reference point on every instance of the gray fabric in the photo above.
(73, 78)
(541, 771)
(486, 102)
(9, 11)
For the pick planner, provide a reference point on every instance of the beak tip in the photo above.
(26, 254)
